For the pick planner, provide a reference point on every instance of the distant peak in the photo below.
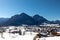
(23, 13)
(37, 15)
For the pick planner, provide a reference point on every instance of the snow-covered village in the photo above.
(26, 32)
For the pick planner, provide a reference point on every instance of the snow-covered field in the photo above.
(7, 36)
(28, 35)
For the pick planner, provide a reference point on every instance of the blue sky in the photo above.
(50, 9)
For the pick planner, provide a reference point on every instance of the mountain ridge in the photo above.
(23, 18)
